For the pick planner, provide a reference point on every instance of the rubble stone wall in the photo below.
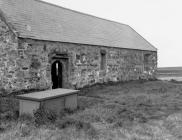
(8, 56)
(83, 66)
(26, 63)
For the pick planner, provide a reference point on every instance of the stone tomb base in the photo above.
(54, 100)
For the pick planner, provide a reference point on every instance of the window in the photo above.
(147, 62)
(103, 61)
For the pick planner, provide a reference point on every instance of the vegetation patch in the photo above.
(43, 116)
(135, 110)
(78, 124)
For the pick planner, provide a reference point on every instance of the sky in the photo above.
(158, 21)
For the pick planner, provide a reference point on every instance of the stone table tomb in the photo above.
(55, 100)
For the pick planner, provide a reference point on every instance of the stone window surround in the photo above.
(103, 60)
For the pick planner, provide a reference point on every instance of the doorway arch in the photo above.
(57, 74)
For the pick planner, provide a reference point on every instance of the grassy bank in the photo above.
(127, 111)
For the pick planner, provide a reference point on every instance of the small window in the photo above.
(103, 61)
(147, 62)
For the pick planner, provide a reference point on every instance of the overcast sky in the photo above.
(158, 21)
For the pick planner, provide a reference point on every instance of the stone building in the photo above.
(46, 46)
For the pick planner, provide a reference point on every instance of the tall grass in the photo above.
(127, 111)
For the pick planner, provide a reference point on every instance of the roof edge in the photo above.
(143, 38)
(10, 26)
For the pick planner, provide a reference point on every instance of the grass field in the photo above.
(124, 111)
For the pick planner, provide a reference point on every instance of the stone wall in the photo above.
(26, 64)
(83, 65)
(8, 56)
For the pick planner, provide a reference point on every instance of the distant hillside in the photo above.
(169, 71)
(170, 68)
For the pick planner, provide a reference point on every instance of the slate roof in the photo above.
(36, 19)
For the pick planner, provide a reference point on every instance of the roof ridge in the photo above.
(52, 4)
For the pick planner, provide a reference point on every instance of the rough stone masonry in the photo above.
(26, 63)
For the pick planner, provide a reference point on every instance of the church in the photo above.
(45, 46)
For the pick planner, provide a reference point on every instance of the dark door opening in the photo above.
(56, 72)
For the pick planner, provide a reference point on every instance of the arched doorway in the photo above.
(56, 73)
